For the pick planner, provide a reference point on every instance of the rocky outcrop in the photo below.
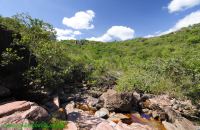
(21, 112)
(167, 108)
(114, 101)
(83, 119)
(71, 126)
(180, 124)
(106, 113)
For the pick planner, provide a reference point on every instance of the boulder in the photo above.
(114, 101)
(102, 113)
(12, 107)
(22, 113)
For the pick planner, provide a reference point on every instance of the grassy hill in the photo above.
(165, 64)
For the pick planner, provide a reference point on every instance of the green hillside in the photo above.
(165, 64)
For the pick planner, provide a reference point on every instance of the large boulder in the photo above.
(21, 112)
(114, 101)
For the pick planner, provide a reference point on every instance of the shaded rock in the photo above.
(103, 113)
(4, 92)
(60, 114)
(95, 93)
(114, 101)
(172, 115)
(36, 113)
(92, 102)
(50, 107)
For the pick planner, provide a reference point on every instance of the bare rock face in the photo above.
(83, 119)
(71, 126)
(114, 101)
(104, 126)
(133, 126)
(180, 124)
(21, 112)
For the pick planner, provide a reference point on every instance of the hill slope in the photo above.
(166, 64)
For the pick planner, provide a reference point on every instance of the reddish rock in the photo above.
(71, 126)
(180, 124)
(22, 113)
(9, 108)
(104, 126)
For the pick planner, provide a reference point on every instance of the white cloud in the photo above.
(66, 34)
(81, 20)
(187, 21)
(115, 33)
(149, 36)
(178, 5)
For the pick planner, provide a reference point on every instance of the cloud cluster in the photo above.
(81, 20)
(191, 19)
(188, 20)
(115, 33)
(178, 5)
(66, 34)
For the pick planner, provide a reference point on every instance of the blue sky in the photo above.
(107, 20)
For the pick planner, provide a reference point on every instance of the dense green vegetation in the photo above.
(166, 64)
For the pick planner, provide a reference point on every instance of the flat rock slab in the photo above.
(21, 113)
(12, 107)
